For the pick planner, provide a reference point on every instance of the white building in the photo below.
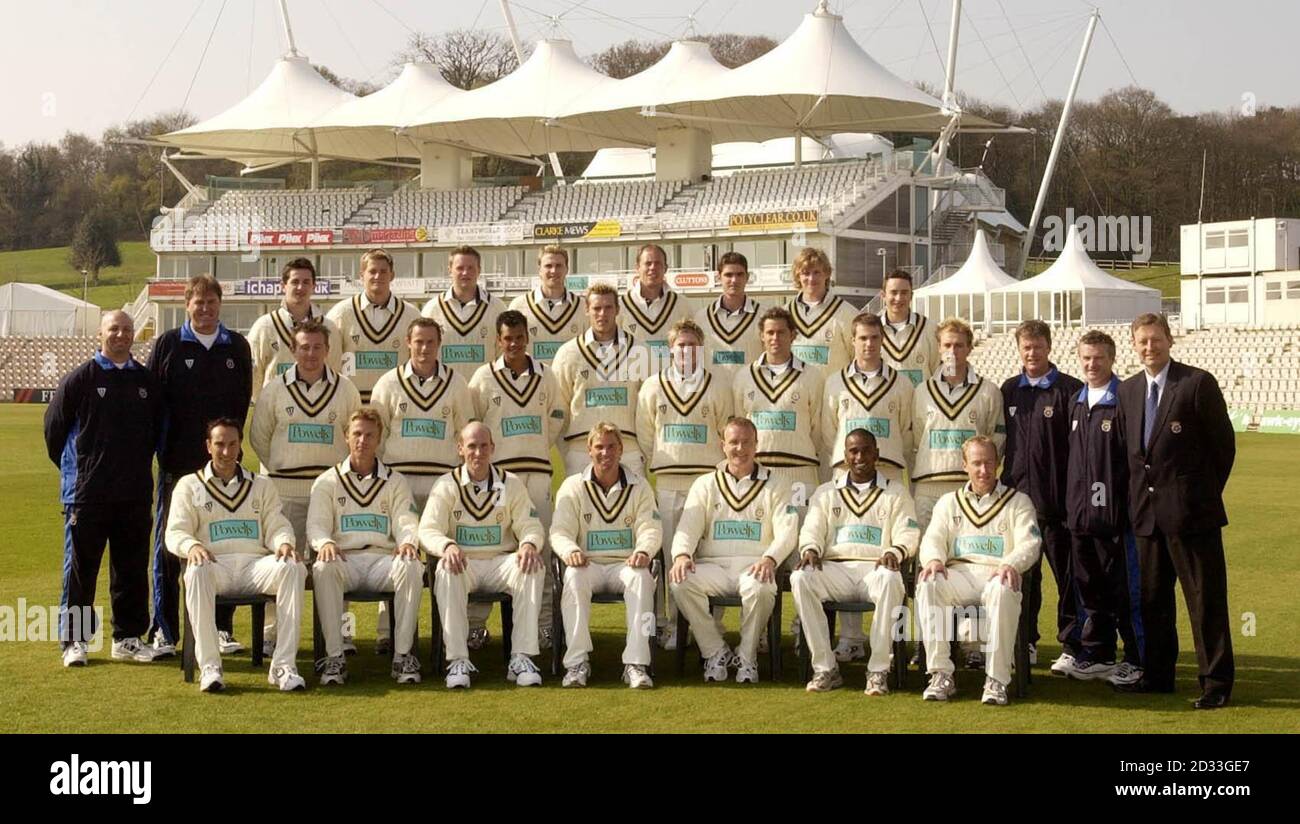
(1240, 272)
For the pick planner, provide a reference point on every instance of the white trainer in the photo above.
(333, 671)
(406, 669)
(1062, 667)
(846, 650)
(576, 676)
(523, 672)
(1091, 670)
(1124, 674)
(227, 644)
(637, 677)
(74, 655)
(458, 673)
(941, 687)
(746, 671)
(825, 681)
(877, 683)
(715, 666)
(162, 648)
(132, 649)
(286, 678)
(211, 680)
(995, 692)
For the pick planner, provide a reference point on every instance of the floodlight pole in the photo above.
(1057, 140)
(288, 29)
(519, 55)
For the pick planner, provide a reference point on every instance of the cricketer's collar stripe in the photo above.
(363, 498)
(441, 382)
(899, 351)
(368, 329)
(808, 328)
(869, 399)
(524, 396)
(860, 507)
(981, 521)
(728, 495)
(608, 513)
(684, 406)
(553, 325)
(952, 408)
(477, 509)
(743, 326)
(463, 326)
(299, 395)
(650, 326)
(773, 392)
(230, 502)
(622, 346)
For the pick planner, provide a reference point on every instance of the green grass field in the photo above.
(40, 696)
(49, 267)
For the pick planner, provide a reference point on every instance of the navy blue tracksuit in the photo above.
(1103, 550)
(1035, 463)
(199, 385)
(100, 430)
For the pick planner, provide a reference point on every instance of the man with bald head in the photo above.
(100, 430)
(482, 527)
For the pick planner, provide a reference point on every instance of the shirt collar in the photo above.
(494, 477)
(499, 365)
(759, 473)
(748, 307)
(843, 481)
(794, 362)
(291, 376)
(187, 333)
(971, 377)
(911, 320)
(381, 471)
(312, 312)
(1045, 381)
(541, 299)
(480, 295)
(106, 363)
(390, 304)
(589, 475)
(1161, 379)
(677, 377)
(635, 294)
(854, 370)
(208, 474)
(1111, 398)
(969, 492)
(590, 338)
(439, 372)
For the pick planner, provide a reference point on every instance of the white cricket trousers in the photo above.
(851, 624)
(968, 585)
(847, 581)
(539, 492)
(725, 576)
(638, 591)
(365, 571)
(245, 574)
(499, 574)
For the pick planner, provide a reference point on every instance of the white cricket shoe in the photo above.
(941, 687)
(877, 683)
(715, 666)
(1091, 670)
(132, 649)
(162, 648)
(746, 671)
(1064, 666)
(333, 671)
(637, 677)
(523, 672)
(576, 676)
(1124, 674)
(458, 673)
(995, 692)
(226, 643)
(825, 681)
(406, 669)
(286, 678)
(211, 680)
(74, 655)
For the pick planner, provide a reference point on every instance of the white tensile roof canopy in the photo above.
(729, 156)
(366, 127)
(965, 293)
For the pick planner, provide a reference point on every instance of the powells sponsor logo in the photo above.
(606, 396)
(876, 426)
(774, 421)
(472, 536)
(133, 779)
(463, 353)
(949, 438)
(737, 531)
(685, 433)
(728, 358)
(812, 354)
(365, 522)
(990, 546)
(374, 360)
(546, 349)
(424, 428)
(236, 530)
(281, 368)
(609, 540)
(858, 534)
(521, 425)
(311, 433)
(913, 375)
(576, 283)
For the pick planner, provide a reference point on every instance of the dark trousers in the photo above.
(167, 569)
(1196, 560)
(1056, 548)
(1107, 587)
(86, 531)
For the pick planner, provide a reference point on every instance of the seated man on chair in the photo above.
(227, 523)
(363, 527)
(605, 530)
(738, 526)
(482, 526)
(982, 538)
(858, 530)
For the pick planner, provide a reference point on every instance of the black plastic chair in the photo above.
(258, 603)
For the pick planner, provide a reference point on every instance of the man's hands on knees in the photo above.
(528, 558)
(453, 560)
(683, 565)
(330, 552)
(639, 560)
(1008, 575)
(407, 552)
(889, 561)
(809, 558)
(764, 570)
(932, 569)
(576, 558)
(286, 552)
(199, 555)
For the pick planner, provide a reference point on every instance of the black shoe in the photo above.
(1210, 701)
(1143, 685)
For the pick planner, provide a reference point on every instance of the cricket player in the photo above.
(649, 308)
(228, 527)
(606, 531)
(364, 529)
(823, 322)
(910, 345)
(982, 539)
(737, 528)
(465, 312)
(271, 336)
(730, 323)
(372, 325)
(552, 313)
(481, 526)
(599, 374)
(859, 529)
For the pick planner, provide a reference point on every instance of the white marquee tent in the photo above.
(32, 310)
(966, 293)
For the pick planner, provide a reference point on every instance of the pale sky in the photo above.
(83, 65)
